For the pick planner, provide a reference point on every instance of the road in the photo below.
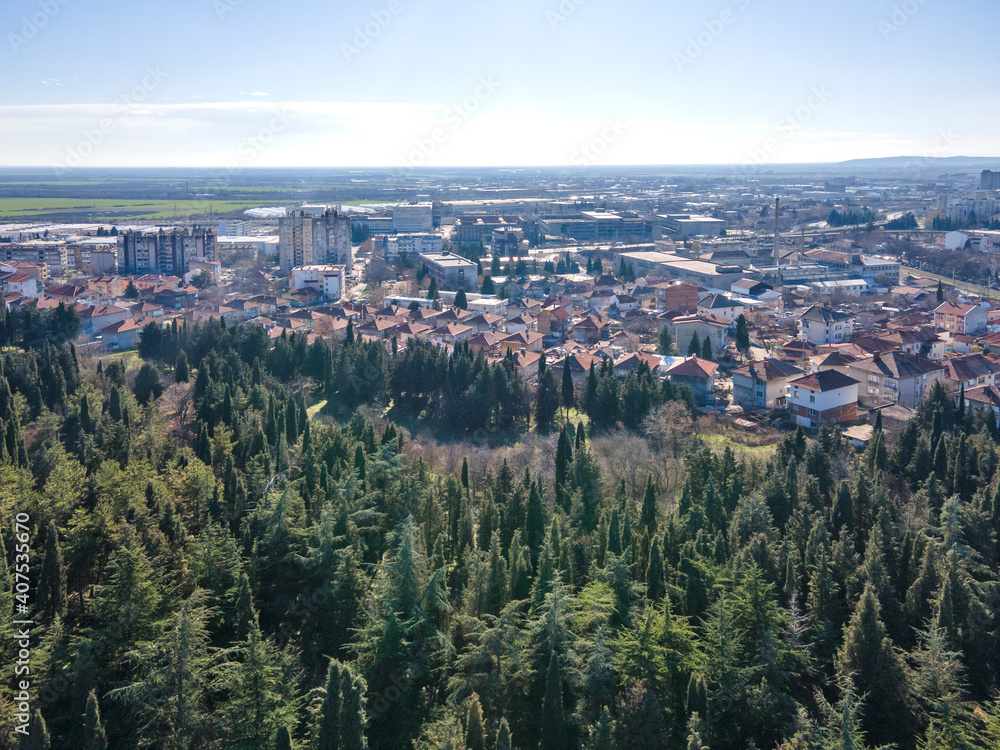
(964, 285)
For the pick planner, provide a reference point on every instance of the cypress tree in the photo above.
(94, 737)
(181, 373)
(282, 739)
(868, 658)
(503, 735)
(52, 579)
(329, 719)
(86, 424)
(694, 348)
(552, 725)
(654, 573)
(568, 395)
(38, 734)
(648, 515)
(475, 736)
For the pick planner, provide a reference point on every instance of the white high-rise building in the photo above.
(310, 235)
(413, 217)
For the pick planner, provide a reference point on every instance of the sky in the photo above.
(407, 83)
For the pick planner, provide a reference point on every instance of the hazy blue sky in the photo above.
(443, 82)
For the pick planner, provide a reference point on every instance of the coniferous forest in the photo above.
(214, 564)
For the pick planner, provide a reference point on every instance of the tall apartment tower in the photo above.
(310, 235)
(166, 251)
(989, 180)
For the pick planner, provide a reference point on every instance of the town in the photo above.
(806, 302)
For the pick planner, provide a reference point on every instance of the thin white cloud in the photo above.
(259, 93)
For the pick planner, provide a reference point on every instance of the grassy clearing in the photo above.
(748, 445)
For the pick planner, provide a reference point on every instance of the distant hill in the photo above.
(923, 162)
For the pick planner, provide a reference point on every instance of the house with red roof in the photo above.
(827, 397)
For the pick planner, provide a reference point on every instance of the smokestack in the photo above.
(777, 237)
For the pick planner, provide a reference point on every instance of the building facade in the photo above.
(314, 235)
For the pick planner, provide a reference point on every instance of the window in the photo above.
(812, 398)
(873, 378)
(812, 412)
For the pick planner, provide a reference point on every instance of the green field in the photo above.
(98, 209)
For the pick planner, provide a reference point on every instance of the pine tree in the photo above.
(655, 573)
(461, 300)
(706, 349)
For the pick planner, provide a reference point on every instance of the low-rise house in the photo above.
(972, 370)
(699, 374)
(579, 366)
(94, 318)
(484, 322)
(591, 329)
(895, 378)
(721, 307)
(764, 385)
(521, 322)
(122, 335)
(451, 334)
(921, 342)
(685, 327)
(821, 325)
(486, 342)
(823, 398)
(983, 397)
(634, 361)
(21, 283)
(412, 329)
(832, 360)
(958, 318)
(527, 340)
(526, 363)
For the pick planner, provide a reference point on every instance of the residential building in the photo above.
(167, 251)
(699, 374)
(326, 279)
(676, 295)
(412, 245)
(959, 318)
(764, 385)
(721, 307)
(450, 270)
(972, 371)
(895, 378)
(823, 398)
(821, 325)
(685, 327)
(310, 235)
(412, 217)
